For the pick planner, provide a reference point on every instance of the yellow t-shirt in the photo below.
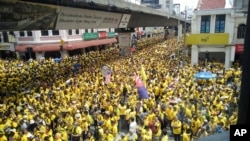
(164, 138)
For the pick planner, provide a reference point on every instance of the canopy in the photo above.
(205, 75)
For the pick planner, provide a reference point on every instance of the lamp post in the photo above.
(178, 24)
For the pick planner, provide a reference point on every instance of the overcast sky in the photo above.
(189, 3)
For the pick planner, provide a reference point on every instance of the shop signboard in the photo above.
(111, 34)
(90, 36)
(102, 35)
(239, 48)
(208, 39)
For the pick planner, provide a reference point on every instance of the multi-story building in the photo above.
(216, 27)
(61, 43)
(240, 16)
(163, 5)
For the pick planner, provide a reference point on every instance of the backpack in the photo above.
(153, 127)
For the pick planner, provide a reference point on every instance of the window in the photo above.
(241, 31)
(29, 33)
(55, 32)
(77, 32)
(205, 24)
(70, 32)
(92, 30)
(45, 33)
(220, 23)
(21, 33)
(86, 30)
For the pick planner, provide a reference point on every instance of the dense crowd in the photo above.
(56, 101)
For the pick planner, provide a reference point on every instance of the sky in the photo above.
(189, 3)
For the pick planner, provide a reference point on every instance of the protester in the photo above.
(41, 99)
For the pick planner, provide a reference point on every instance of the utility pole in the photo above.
(178, 27)
(185, 33)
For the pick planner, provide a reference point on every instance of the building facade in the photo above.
(216, 28)
(39, 44)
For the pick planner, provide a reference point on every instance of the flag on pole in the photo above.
(144, 76)
(142, 91)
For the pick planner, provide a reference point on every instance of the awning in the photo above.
(46, 47)
(38, 48)
(84, 44)
(22, 47)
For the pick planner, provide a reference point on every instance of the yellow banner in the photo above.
(208, 39)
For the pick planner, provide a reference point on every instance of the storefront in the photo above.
(7, 50)
(215, 45)
(92, 41)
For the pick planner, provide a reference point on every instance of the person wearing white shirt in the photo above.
(132, 125)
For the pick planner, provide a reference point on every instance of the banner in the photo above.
(75, 18)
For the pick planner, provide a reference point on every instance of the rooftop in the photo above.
(211, 4)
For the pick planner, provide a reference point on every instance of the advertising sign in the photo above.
(102, 35)
(124, 21)
(239, 48)
(41, 15)
(90, 36)
(124, 43)
(74, 18)
(208, 39)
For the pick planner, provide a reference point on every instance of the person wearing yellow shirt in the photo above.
(176, 125)
(164, 135)
(157, 134)
(2, 136)
(196, 124)
(122, 109)
(58, 137)
(148, 134)
(76, 132)
(131, 136)
(114, 129)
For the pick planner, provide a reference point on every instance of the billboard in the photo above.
(208, 39)
(18, 15)
(75, 18)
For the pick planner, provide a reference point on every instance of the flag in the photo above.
(144, 76)
(142, 91)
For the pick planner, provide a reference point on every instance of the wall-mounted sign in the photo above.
(111, 34)
(5, 46)
(90, 36)
(124, 21)
(239, 48)
(102, 35)
(208, 39)
(74, 18)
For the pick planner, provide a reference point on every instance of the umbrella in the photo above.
(205, 75)
(57, 60)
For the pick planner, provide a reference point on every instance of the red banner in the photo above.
(239, 48)
(102, 35)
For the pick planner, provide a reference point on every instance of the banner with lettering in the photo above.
(74, 18)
